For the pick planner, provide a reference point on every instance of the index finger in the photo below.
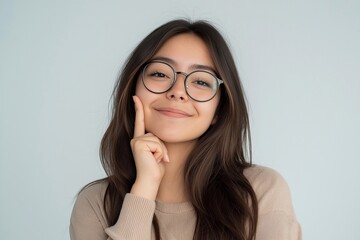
(139, 129)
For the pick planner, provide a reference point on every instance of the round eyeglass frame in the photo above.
(175, 73)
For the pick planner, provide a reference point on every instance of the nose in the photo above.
(177, 91)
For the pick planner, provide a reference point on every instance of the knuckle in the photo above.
(134, 142)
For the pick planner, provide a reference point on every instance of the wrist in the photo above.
(145, 189)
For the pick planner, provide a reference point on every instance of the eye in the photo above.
(158, 75)
(201, 80)
(202, 83)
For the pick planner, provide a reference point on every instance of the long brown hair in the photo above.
(223, 199)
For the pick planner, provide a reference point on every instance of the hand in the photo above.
(150, 155)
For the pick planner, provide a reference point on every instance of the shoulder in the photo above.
(88, 206)
(257, 175)
(277, 218)
(270, 188)
(93, 192)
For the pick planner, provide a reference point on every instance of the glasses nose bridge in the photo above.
(181, 73)
(183, 84)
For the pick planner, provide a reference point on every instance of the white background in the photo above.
(298, 60)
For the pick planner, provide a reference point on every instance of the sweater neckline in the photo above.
(173, 207)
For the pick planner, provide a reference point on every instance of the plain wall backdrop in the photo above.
(298, 61)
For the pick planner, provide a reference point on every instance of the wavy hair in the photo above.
(223, 199)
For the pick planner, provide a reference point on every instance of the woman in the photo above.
(177, 150)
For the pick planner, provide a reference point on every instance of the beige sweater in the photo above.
(277, 219)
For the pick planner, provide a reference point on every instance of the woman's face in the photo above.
(173, 116)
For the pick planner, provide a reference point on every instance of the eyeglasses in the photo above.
(200, 85)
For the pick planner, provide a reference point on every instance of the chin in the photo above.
(172, 135)
(169, 138)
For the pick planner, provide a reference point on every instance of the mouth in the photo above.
(171, 112)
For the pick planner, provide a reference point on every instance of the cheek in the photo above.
(142, 92)
(213, 105)
(213, 110)
(138, 86)
(208, 112)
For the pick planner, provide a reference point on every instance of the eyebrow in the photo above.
(192, 67)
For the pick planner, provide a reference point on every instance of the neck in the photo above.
(172, 187)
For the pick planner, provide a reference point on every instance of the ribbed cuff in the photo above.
(135, 219)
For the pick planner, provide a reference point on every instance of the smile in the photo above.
(171, 112)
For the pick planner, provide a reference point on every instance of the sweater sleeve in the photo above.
(88, 219)
(277, 220)
(135, 220)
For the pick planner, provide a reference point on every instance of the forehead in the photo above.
(186, 50)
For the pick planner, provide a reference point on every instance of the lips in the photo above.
(173, 112)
